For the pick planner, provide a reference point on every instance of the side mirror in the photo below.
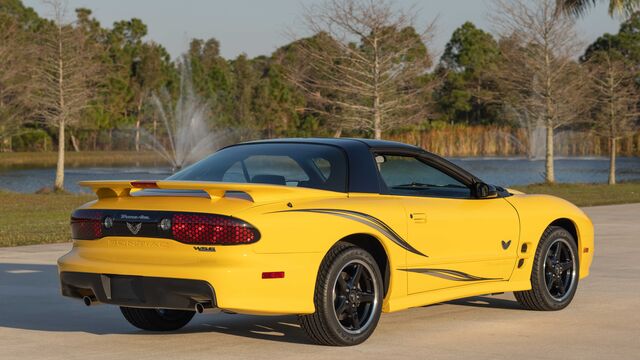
(483, 191)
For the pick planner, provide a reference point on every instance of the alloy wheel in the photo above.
(355, 297)
(559, 269)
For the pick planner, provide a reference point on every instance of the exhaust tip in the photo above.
(87, 300)
(199, 308)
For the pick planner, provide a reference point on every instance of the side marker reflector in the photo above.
(586, 250)
(273, 275)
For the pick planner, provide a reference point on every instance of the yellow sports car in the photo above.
(333, 230)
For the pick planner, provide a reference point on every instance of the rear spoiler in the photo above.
(215, 190)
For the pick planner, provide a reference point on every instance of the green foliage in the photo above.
(468, 66)
(623, 45)
(256, 95)
(581, 7)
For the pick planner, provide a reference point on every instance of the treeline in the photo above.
(366, 71)
(493, 140)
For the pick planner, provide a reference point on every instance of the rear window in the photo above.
(302, 165)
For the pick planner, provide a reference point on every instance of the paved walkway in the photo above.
(602, 323)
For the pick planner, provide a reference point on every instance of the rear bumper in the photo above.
(163, 272)
(138, 291)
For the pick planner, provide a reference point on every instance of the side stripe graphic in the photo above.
(368, 220)
(449, 274)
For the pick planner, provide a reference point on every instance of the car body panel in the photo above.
(459, 235)
(536, 212)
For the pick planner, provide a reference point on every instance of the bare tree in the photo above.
(615, 102)
(66, 75)
(539, 66)
(365, 66)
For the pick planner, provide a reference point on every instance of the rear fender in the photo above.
(313, 230)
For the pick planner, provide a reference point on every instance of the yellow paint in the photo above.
(460, 235)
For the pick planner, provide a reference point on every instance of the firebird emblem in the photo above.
(134, 228)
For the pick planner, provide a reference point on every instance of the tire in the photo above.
(348, 298)
(157, 319)
(555, 273)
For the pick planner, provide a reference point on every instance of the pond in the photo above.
(499, 171)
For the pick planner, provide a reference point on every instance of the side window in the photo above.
(324, 166)
(407, 175)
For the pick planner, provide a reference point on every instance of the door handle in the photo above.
(418, 217)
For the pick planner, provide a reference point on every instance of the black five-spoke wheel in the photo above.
(348, 297)
(554, 274)
(354, 296)
(558, 269)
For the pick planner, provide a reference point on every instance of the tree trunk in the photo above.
(376, 125)
(74, 142)
(138, 134)
(377, 128)
(550, 177)
(612, 161)
(377, 116)
(338, 132)
(59, 181)
(58, 184)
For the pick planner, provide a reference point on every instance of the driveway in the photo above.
(602, 322)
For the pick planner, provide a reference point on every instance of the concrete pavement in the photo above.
(602, 322)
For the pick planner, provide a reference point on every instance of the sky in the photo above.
(259, 27)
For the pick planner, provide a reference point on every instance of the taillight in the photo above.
(86, 225)
(212, 230)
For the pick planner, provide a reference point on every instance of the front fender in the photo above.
(536, 213)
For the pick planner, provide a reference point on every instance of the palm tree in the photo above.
(580, 7)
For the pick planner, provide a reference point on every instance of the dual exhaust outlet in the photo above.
(200, 308)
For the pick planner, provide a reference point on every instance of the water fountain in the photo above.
(536, 133)
(185, 120)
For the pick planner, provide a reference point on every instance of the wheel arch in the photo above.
(373, 246)
(569, 226)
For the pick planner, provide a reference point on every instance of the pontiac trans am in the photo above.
(336, 231)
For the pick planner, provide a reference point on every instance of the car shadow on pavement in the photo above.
(274, 328)
(30, 299)
(487, 302)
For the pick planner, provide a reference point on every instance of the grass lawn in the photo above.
(588, 194)
(82, 158)
(27, 219)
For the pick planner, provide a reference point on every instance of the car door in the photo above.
(464, 240)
